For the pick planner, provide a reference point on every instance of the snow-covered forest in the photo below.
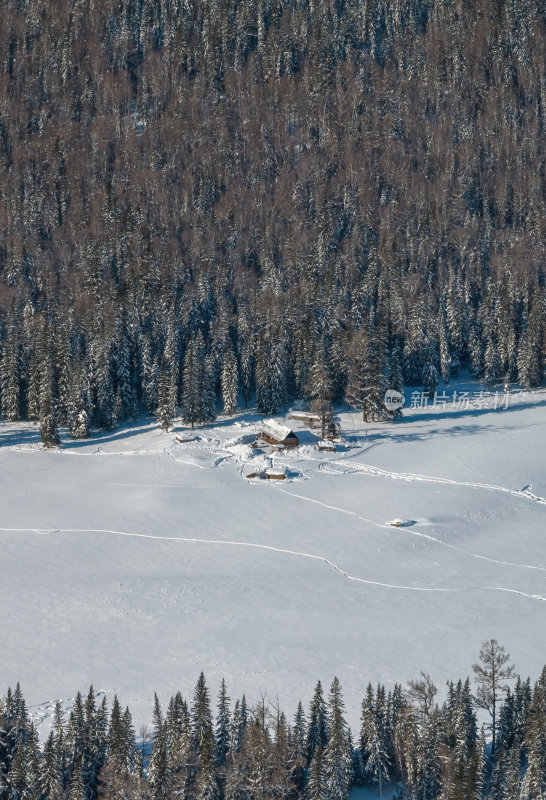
(212, 211)
(201, 750)
(204, 204)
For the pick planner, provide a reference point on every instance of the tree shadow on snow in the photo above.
(12, 437)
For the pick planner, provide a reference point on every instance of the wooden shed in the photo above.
(275, 474)
(275, 433)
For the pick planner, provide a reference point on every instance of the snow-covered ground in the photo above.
(134, 561)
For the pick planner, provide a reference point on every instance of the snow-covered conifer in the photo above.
(337, 760)
(317, 728)
(229, 381)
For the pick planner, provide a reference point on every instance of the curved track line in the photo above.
(368, 469)
(408, 532)
(227, 542)
(182, 461)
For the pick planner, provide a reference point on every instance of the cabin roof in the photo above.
(277, 431)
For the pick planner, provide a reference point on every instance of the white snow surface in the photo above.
(133, 562)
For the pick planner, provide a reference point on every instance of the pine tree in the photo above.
(367, 380)
(33, 766)
(209, 390)
(320, 390)
(475, 773)
(378, 762)
(79, 420)
(76, 789)
(207, 787)
(271, 368)
(317, 729)
(316, 788)
(223, 722)
(338, 751)
(237, 728)
(18, 781)
(196, 394)
(165, 409)
(395, 378)
(429, 374)
(229, 381)
(445, 353)
(534, 781)
(201, 717)
(159, 776)
(299, 749)
(428, 761)
(106, 411)
(61, 745)
(492, 363)
(182, 757)
(530, 350)
(48, 410)
(51, 777)
(124, 368)
(10, 370)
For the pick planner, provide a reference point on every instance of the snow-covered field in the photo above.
(134, 561)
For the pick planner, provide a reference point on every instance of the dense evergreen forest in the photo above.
(429, 751)
(208, 202)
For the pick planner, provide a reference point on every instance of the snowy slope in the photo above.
(133, 560)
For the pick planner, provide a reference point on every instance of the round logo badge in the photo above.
(393, 399)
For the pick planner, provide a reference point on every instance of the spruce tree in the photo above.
(207, 787)
(193, 411)
(159, 776)
(76, 789)
(223, 723)
(430, 375)
(229, 381)
(165, 409)
(299, 749)
(10, 370)
(316, 786)
(201, 717)
(367, 373)
(51, 777)
(317, 728)
(534, 781)
(320, 391)
(338, 751)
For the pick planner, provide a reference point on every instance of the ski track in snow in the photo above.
(297, 553)
(189, 463)
(336, 467)
(369, 469)
(419, 534)
(222, 454)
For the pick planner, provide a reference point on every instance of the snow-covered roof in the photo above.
(277, 431)
(272, 472)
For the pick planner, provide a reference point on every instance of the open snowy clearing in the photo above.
(134, 560)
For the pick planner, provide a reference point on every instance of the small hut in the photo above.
(326, 446)
(275, 474)
(275, 433)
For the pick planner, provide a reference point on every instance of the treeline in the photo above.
(428, 751)
(222, 200)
